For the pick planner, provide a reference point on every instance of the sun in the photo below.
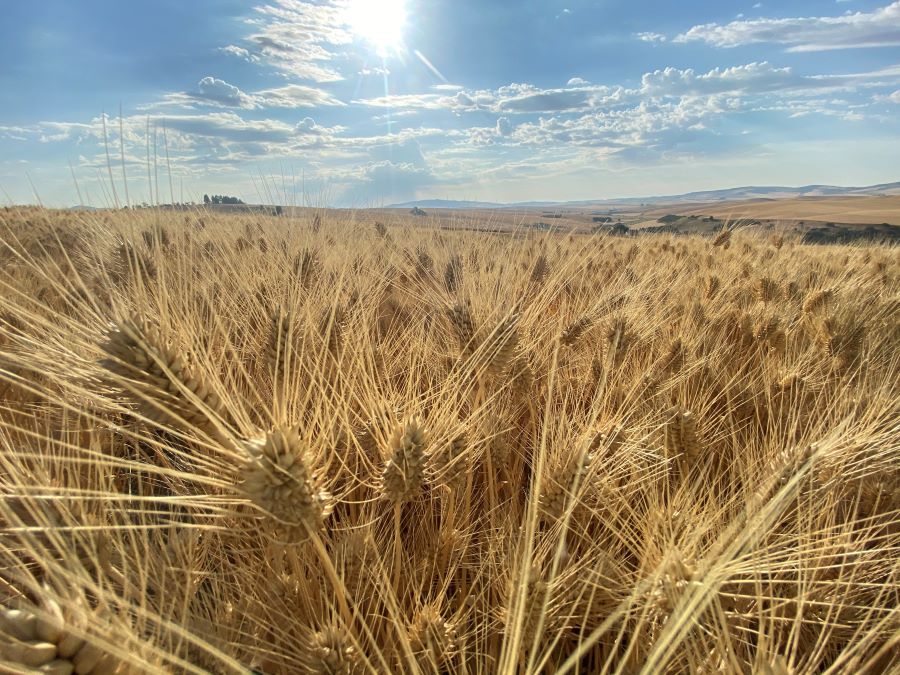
(379, 22)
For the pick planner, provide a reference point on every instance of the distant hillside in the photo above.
(446, 204)
(777, 192)
(729, 194)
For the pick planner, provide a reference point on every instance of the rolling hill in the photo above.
(728, 194)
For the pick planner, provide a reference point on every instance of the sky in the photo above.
(363, 103)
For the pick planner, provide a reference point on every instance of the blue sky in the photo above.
(364, 103)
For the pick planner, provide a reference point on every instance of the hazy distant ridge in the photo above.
(729, 194)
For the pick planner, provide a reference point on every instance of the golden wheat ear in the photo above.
(404, 474)
(561, 487)
(463, 327)
(163, 387)
(766, 289)
(501, 345)
(453, 274)
(432, 639)
(306, 267)
(277, 478)
(842, 341)
(722, 239)
(682, 439)
(450, 465)
(330, 651)
(540, 271)
(674, 358)
(576, 330)
(279, 349)
(817, 300)
(711, 286)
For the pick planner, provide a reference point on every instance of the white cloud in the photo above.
(396, 171)
(577, 82)
(879, 28)
(217, 90)
(894, 97)
(761, 79)
(14, 133)
(295, 96)
(213, 92)
(648, 125)
(239, 52)
(376, 71)
(504, 126)
(380, 183)
(210, 92)
(529, 99)
(213, 137)
(459, 100)
(394, 141)
(305, 39)
(299, 37)
(651, 37)
(307, 125)
(229, 126)
(463, 100)
(753, 77)
(750, 79)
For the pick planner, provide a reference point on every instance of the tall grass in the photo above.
(235, 443)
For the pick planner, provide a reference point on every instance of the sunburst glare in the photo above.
(380, 23)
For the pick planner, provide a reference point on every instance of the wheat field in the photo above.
(250, 444)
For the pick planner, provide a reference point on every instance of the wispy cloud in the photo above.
(758, 78)
(460, 100)
(299, 38)
(530, 99)
(748, 79)
(651, 37)
(216, 93)
(879, 28)
(295, 96)
(194, 138)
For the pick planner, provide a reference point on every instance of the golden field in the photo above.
(797, 214)
(235, 443)
(847, 210)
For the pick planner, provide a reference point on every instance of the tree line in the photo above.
(221, 199)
